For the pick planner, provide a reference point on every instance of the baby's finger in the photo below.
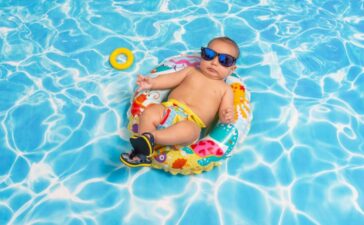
(227, 113)
(140, 88)
(147, 79)
(230, 117)
(141, 78)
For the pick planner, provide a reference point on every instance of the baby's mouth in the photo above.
(211, 70)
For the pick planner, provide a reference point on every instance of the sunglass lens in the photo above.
(208, 54)
(226, 60)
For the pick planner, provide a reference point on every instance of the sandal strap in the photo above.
(143, 144)
(150, 136)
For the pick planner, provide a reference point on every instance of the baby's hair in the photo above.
(229, 40)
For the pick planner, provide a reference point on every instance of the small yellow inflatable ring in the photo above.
(216, 142)
(121, 66)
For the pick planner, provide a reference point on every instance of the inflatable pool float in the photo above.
(114, 58)
(216, 142)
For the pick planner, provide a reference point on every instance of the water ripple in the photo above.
(63, 112)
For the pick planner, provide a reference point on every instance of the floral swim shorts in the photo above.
(175, 112)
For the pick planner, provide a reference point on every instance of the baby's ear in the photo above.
(232, 69)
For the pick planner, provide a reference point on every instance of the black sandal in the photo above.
(143, 149)
(143, 145)
(129, 159)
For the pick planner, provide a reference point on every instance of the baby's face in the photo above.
(213, 69)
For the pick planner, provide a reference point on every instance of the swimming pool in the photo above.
(63, 113)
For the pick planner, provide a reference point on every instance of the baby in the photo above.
(197, 95)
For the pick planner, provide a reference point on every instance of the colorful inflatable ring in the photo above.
(121, 66)
(216, 143)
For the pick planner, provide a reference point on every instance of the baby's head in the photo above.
(219, 58)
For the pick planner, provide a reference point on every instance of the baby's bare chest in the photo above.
(200, 87)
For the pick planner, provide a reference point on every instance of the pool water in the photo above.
(63, 112)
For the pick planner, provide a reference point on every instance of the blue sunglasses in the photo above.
(224, 59)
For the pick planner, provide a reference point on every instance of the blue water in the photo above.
(63, 113)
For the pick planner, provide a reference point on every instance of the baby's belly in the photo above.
(207, 114)
(205, 109)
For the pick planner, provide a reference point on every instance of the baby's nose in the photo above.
(215, 61)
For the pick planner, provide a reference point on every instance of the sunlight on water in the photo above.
(63, 112)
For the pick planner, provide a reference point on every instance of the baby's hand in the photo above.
(227, 115)
(144, 83)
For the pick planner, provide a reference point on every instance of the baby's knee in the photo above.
(153, 109)
(153, 112)
(194, 132)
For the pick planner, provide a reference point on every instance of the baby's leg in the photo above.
(181, 133)
(148, 122)
(150, 118)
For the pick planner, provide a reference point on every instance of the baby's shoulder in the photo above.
(226, 88)
(224, 85)
(192, 69)
(192, 72)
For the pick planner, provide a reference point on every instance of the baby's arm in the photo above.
(165, 81)
(226, 110)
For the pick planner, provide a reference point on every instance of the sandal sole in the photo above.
(134, 165)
